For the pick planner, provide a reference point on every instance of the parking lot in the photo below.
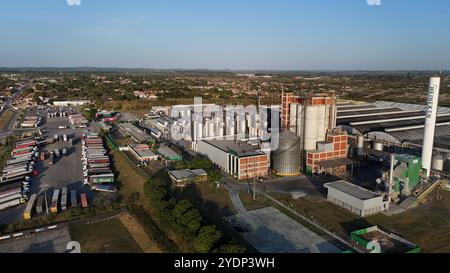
(51, 241)
(271, 231)
(66, 172)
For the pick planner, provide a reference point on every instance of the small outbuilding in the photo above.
(356, 199)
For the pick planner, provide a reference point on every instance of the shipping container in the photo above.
(15, 180)
(26, 143)
(100, 165)
(42, 156)
(97, 171)
(64, 151)
(55, 199)
(101, 178)
(12, 204)
(104, 188)
(23, 154)
(84, 202)
(52, 159)
(19, 160)
(12, 197)
(73, 198)
(16, 171)
(17, 166)
(30, 206)
(16, 175)
(98, 160)
(64, 193)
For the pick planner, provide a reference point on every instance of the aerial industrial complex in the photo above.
(365, 158)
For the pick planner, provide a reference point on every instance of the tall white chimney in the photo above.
(430, 123)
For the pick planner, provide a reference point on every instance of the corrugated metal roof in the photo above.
(347, 121)
(382, 126)
(355, 107)
(409, 106)
(352, 190)
(417, 134)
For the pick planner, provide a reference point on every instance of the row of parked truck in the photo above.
(16, 176)
(59, 202)
(96, 164)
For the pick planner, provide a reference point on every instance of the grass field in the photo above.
(130, 179)
(5, 119)
(140, 236)
(210, 199)
(109, 236)
(428, 225)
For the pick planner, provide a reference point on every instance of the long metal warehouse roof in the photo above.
(382, 126)
(381, 116)
(355, 107)
(357, 112)
(410, 135)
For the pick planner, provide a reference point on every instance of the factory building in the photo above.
(397, 125)
(134, 132)
(237, 158)
(169, 154)
(330, 155)
(213, 122)
(181, 178)
(310, 118)
(310, 115)
(358, 200)
(142, 152)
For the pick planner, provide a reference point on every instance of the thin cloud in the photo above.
(73, 2)
(374, 2)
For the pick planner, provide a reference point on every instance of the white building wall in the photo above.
(366, 207)
(217, 156)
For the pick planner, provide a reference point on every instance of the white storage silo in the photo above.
(438, 163)
(293, 117)
(211, 129)
(311, 114)
(359, 145)
(378, 146)
(321, 122)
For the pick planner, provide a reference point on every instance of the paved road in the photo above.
(237, 203)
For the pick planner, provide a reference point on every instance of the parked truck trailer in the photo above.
(55, 199)
(30, 207)
(73, 198)
(64, 199)
(84, 202)
(40, 205)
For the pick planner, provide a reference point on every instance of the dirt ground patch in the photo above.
(5, 119)
(138, 233)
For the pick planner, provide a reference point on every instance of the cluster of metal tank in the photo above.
(441, 163)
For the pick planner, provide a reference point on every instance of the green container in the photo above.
(102, 180)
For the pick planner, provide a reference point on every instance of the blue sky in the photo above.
(227, 34)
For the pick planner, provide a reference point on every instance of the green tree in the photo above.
(214, 176)
(231, 247)
(180, 165)
(201, 163)
(206, 239)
